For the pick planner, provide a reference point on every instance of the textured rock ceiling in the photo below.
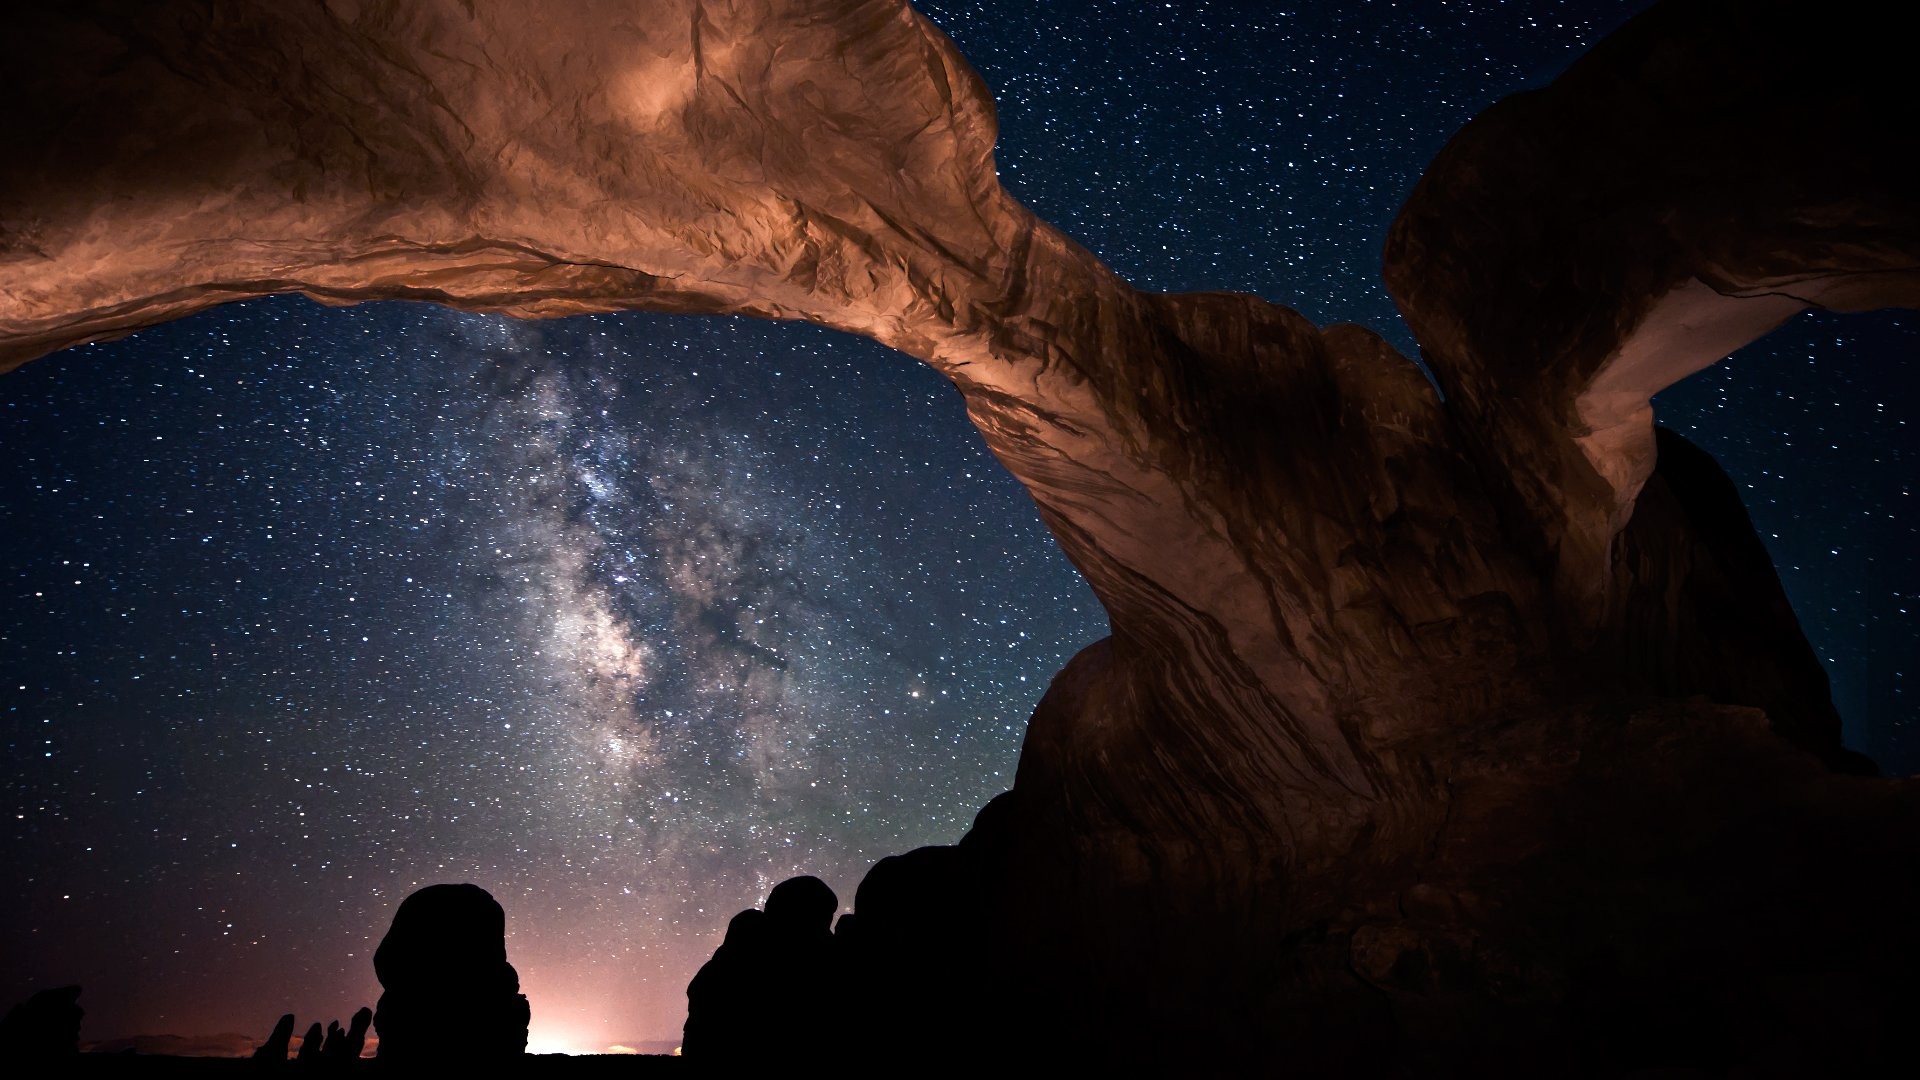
(832, 161)
(828, 161)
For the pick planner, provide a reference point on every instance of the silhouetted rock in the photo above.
(771, 991)
(801, 908)
(449, 991)
(335, 1044)
(803, 976)
(310, 1043)
(275, 1048)
(43, 1027)
(914, 957)
(347, 1045)
(723, 1000)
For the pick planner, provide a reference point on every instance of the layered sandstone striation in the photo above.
(1425, 730)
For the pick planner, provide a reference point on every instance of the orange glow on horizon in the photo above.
(560, 1040)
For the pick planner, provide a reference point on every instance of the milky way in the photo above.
(626, 618)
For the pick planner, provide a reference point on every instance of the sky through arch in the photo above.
(625, 618)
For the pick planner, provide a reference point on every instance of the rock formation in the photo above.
(1702, 175)
(336, 1044)
(275, 1048)
(347, 1045)
(311, 1042)
(911, 957)
(723, 1000)
(449, 992)
(1427, 734)
(772, 992)
(42, 1029)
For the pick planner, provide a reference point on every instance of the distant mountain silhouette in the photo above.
(226, 1044)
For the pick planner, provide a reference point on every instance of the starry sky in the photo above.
(627, 618)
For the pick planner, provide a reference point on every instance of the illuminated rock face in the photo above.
(1391, 746)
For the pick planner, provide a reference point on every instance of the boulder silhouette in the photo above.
(45, 1026)
(801, 907)
(911, 955)
(769, 992)
(803, 978)
(723, 996)
(310, 1043)
(449, 992)
(347, 1045)
(275, 1048)
(334, 1045)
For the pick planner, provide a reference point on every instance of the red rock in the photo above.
(1704, 173)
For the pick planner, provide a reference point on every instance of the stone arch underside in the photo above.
(1377, 664)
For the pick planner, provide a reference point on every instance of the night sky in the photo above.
(627, 618)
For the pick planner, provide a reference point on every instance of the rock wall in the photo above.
(1701, 175)
(1411, 711)
(1338, 559)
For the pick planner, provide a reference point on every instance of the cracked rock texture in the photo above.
(1428, 735)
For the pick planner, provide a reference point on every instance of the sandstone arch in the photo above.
(1701, 176)
(1364, 644)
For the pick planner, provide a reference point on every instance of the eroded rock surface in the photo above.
(1343, 588)
(1701, 175)
(1425, 734)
